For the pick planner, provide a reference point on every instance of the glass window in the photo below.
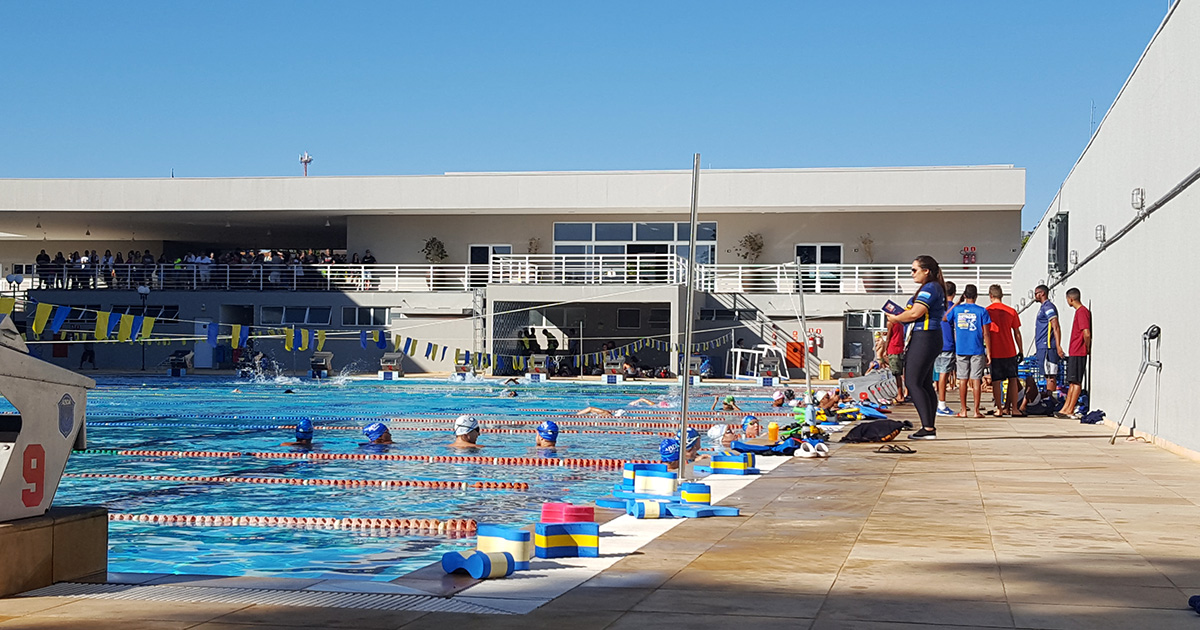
(856, 321)
(629, 318)
(572, 231)
(294, 314)
(380, 316)
(271, 316)
(609, 249)
(349, 316)
(614, 231)
(570, 249)
(706, 231)
(319, 315)
(656, 231)
(660, 318)
(502, 249)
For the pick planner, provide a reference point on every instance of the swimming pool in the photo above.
(200, 414)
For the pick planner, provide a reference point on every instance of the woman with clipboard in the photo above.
(924, 345)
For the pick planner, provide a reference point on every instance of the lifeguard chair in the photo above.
(391, 366)
(320, 365)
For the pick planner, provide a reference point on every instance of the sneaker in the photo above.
(923, 434)
(945, 411)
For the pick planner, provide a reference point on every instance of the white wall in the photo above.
(1149, 139)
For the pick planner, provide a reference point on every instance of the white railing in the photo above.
(844, 279)
(587, 269)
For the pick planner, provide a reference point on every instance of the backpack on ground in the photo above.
(876, 431)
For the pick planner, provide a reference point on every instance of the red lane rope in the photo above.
(461, 526)
(337, 483)
(605, 464)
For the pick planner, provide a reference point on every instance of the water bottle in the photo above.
(773, 431)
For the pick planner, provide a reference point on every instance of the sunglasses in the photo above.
(916, 269)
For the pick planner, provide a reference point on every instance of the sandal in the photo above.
(895, 448)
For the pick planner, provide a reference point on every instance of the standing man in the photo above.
(944, 365)
(972, 343)
(1049, 337)
(1006, 326)
(1077, 355)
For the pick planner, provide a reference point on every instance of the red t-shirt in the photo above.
(896, 344)
(1083, 321)
(1004, 321)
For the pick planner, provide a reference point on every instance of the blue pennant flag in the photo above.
(213, 329)
(60, 317)
(382, 343)
(137, 327)
(362, 339)
(244, 336)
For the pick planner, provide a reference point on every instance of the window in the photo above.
(570, 249)
(295, 315)
(705, 231)
(572, 231)
(365, 316)
(660, 318)
(83, 314)
(157, 312)
(655, 232)
(609, 249)
(614, 232)
(629, 318)
(717, 314)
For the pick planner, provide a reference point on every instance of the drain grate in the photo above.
(223, 595)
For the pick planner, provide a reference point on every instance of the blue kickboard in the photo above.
(649, 497)
(701, 511)
(612, 503)
(733, 471)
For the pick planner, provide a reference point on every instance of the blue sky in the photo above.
(240, 88)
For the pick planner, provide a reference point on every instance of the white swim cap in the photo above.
(465, 424)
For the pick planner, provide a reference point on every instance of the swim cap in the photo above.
(693, 437)
(375, 430)
(778, 395)
(716, 432)
(304, 429)
(548, 431)
(618, 413)
(669, 450)
(789, 394)
(729, 398)
(465, 424)
(749, 420)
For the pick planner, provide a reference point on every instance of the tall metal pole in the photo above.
(684, 468)
(810, 410)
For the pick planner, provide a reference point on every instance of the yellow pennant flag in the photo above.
(237, 336)
(147, 326)
(320, 340)
(125, 328)
(375, 336)
(41, 316)
(303, 339)
(6, 305)
(288, 338)
(397, 339)
(102, 324)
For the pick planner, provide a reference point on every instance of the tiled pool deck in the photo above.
(999, 523)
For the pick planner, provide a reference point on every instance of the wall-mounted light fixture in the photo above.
(1101, 233)
(1074, 257)
(1137, 199)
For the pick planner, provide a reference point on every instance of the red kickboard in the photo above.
(567, 513)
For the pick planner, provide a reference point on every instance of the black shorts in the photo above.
(1076, 367)
(1004, 369)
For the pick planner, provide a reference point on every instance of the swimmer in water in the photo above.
(649, 403)
(729, 403)
(750, 427)
(377, 433)
(508, 393)
(777, 399)
(466, 433)
(236, 391)
(596, 411)
(547, 434)
(668, 451)
(289, 391)
(722, 435)
(304, 434)
(512, 381)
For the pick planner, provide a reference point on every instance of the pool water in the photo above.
(206, 414)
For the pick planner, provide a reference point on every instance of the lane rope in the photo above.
(567, 462)
(456, 527)
(337, 483)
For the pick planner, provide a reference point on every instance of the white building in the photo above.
(605, 248)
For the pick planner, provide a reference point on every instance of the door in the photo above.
(822, 279)
(480, 257)
(648, 269)
(203, 353)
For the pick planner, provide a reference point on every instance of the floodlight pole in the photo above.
(684, 468)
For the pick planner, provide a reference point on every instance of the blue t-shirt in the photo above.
(931, 296)
(1044, 334)
(947, 334)
(969, 321)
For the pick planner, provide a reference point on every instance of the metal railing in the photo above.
(544, 269)
(587, 269)
(841, 279)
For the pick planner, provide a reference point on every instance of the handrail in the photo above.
(839, 278)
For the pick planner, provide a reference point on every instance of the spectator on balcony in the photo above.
(205, 263)
(43, 270)
(107, 268)
(535, 347)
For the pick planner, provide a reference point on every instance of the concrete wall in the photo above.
(1149, 139)
(897, 237)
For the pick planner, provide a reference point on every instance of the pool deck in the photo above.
(1012, 523)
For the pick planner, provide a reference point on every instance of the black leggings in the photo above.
(923, 349)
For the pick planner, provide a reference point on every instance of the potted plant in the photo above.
(435, 252)
(749, 248)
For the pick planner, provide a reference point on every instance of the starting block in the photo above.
(537, 377)
(478, 564)
(695, 379)
(389, 375)
(612, 379)
(566, 540)
(177, 372)
(511, 540)
(767, 381)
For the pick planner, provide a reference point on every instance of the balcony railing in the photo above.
(540, 269)
(846, 279)
(587, 269)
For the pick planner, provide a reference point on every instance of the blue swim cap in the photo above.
(304, 429)
(669, 449)
(375, 430)
(548, 431)
(748, 420)
(693, 437)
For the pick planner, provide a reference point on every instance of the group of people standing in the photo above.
(941, 336)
